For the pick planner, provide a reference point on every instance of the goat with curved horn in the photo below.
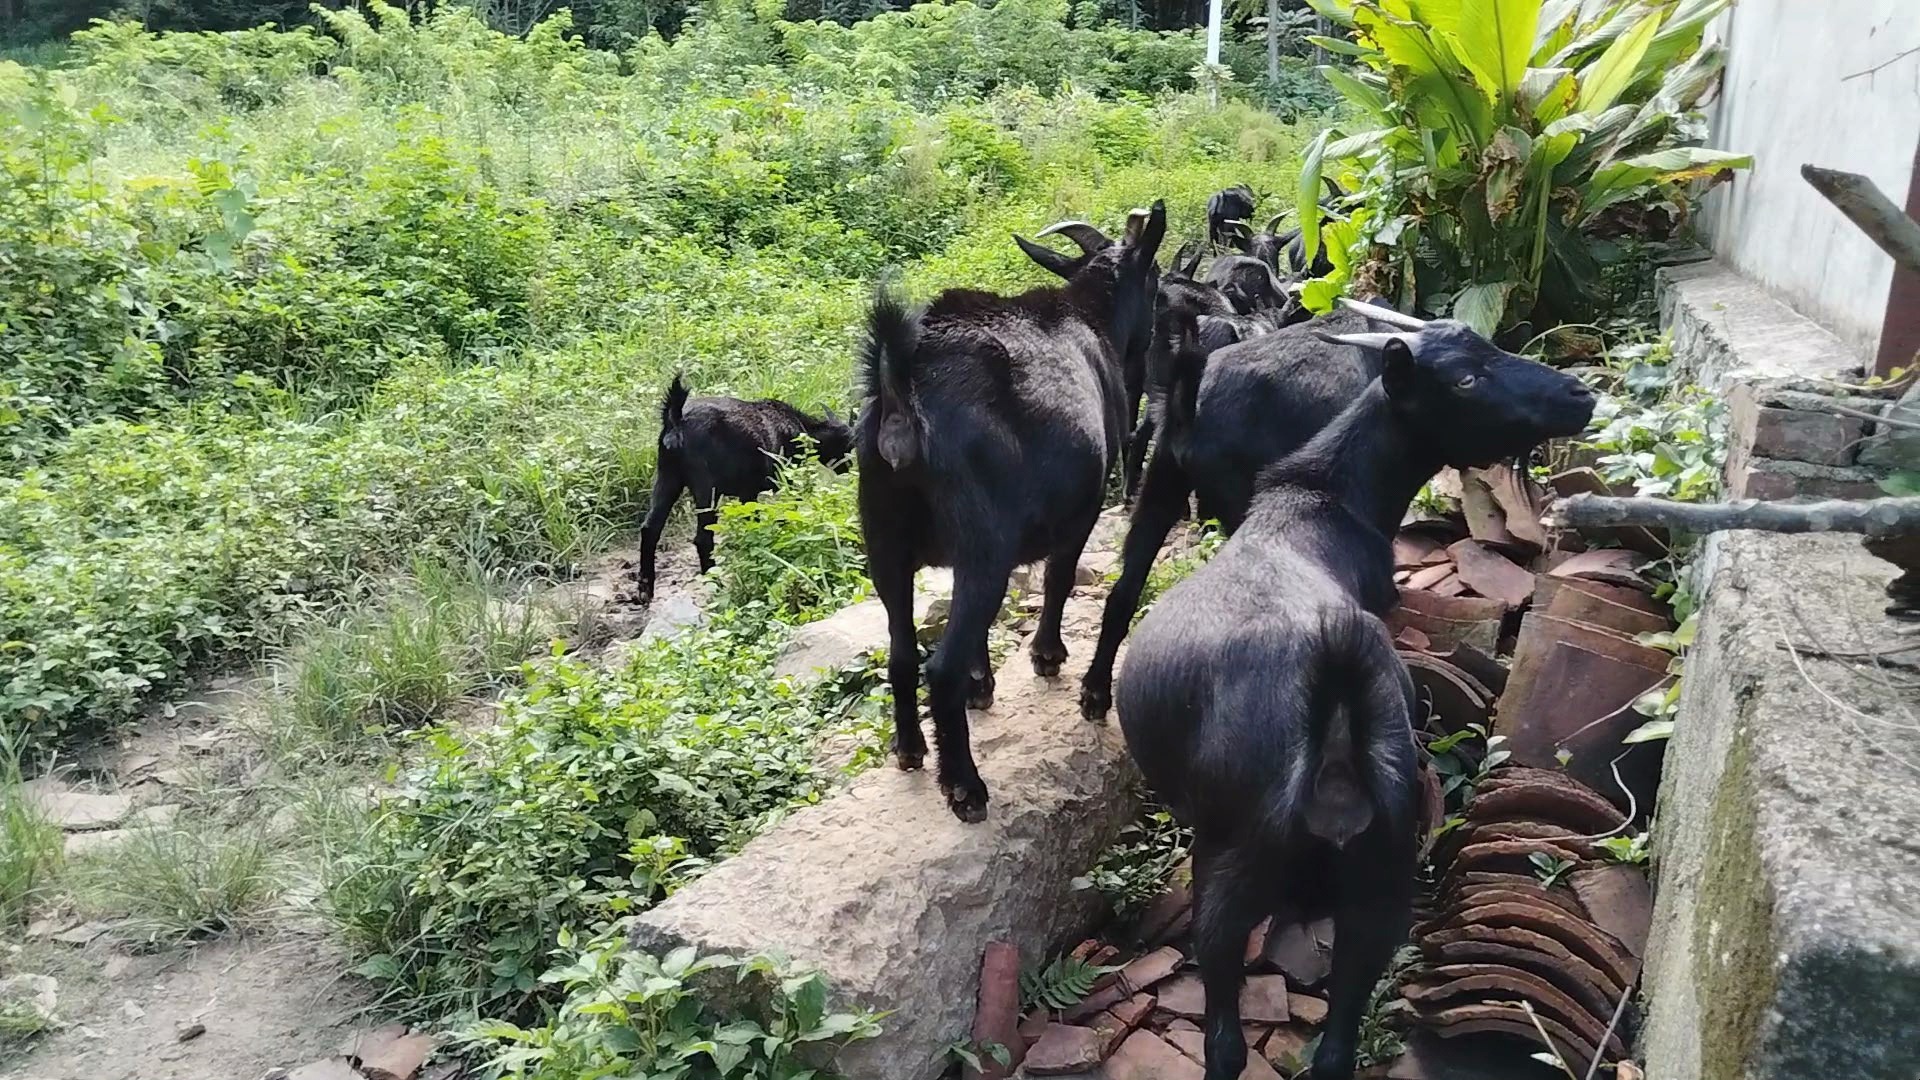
(1089, 238)
(1370, 342)
(1382, 314)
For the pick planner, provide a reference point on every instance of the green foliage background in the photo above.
(294, 306)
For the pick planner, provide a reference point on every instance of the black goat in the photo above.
(1223, 415)
(1250, 285)
(719, 446)
(1263, 700)
(990, 426)
(1234, 204)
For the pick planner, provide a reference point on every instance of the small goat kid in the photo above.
(719, 446)
(1262, 697)
(1225, 208)
(990, 426)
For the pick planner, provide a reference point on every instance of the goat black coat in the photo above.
(1262, 698)
(717, 446)
(1234, 204)
(990, 426)
(1221, 417)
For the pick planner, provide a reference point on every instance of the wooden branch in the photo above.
(1872, 517)
(1866, 206)
(1842, 410)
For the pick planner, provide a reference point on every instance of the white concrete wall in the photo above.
(1791, 95)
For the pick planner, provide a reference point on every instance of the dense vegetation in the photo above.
(278, 329)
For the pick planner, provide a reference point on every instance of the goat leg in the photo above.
(704, 499)
(1375, 890)
(1136, 459)
(1227, 902)
(667, 486)
(1048, 651)
(980, 682)
(1162, 501)
(979, 586)
(892, 572)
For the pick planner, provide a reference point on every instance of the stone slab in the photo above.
(894, 899)
(1728, 329)
(1785, 938)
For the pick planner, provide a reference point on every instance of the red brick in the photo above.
(1065, 1049)
(1145, 1056)
(1153, 967)
(1307, 1009)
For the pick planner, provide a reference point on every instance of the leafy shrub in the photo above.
(1137, 867)
(796, 549)
(1490, 149)
(595, 794)
(400, 308)
(631, 1014)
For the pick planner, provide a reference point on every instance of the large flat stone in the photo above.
(74, 809)
(821, 648)
(1786, 932)
(894, 899)
(1728, 329)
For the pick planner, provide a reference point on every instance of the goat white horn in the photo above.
(1137, 222)
(1383, 314)
(1089, 238)
(1370, 342)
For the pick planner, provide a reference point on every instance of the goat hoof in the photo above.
(967, 800)
(1047, 661)
(909, 758)
(980, 695)
(1094, 704)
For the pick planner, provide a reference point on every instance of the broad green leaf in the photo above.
(1482, 306)
(1362, 94)
(1546, 94)
(1903, 483)
(1336, 10)
(1441, 91)
(1680, 34)
(1307, 201)
(1558, 18)
(1493, 38)
(1356, 145)
(1684, 635)
(1318, 295)
(1337, 45)
(1651, 731)
(1602, 83)
(1682, 89)
(1618, 180)
(1600, 24)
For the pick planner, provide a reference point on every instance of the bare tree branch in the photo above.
(1871, 517)
(1866, 206)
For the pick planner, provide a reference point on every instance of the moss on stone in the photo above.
(1734, 976)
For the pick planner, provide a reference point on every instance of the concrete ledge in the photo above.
(895, 900)
(1727, 329)
(1786, 930)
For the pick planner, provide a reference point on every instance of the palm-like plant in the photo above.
(1492, 134)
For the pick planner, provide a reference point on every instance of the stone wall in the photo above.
(1786, 932)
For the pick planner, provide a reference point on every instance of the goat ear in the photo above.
(1398, 369)
(1060, 263)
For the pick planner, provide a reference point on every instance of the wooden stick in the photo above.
(1872, 517)
(1866, 206)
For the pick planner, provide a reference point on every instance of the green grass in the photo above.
(30, 845)
(170, 883)
(443, 635)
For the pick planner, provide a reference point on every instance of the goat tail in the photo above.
(673, 413)
(1362, 760)
(893, 340)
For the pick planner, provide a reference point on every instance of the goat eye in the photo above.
(1465, 382)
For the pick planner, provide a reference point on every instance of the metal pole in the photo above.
(1213, 44)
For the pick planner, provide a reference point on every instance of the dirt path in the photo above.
(270, 999)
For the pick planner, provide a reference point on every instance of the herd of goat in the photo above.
(1261, 698)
